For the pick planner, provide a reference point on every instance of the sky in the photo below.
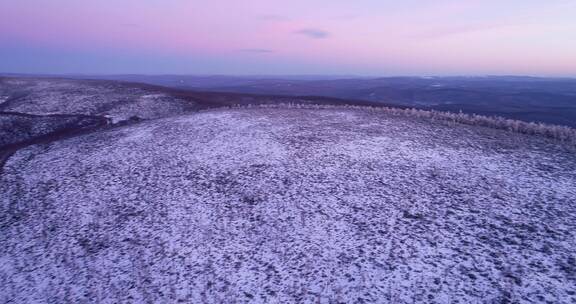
(292, 37)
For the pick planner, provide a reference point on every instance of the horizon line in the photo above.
(8, 74)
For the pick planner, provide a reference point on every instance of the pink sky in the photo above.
(365, 37)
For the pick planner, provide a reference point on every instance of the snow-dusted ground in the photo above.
(113, 99)
(18, 128)
(290, 206)
(3, 99)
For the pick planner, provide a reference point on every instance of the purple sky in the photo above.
(362, 37)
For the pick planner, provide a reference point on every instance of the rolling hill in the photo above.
(279, 203)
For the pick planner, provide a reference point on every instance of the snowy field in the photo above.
(290, 206)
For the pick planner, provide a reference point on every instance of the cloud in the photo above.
(313, 33)
(257, 51)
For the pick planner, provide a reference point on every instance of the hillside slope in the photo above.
(119, 103)
(116, 100)
(122, 100)
(30, 107)
(290, 205)
(17, 128)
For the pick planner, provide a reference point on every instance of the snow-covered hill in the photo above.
(290, 206)
(116, 100)
(30, 107)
